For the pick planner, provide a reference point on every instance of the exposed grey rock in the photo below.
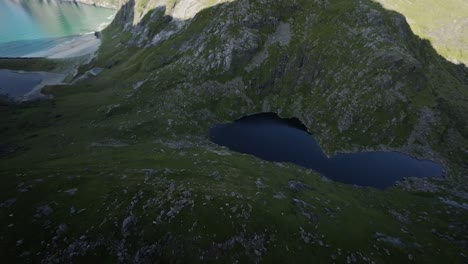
(71, 191)
(307, 237)
(148, 254)
(395, 241)
(44, 210)
(61, 230)
(149, 172)
(306, 210)
(216, 175)
(128, 225)
(298, 186)
(254, 246)
(282, 37)
(402, 217)
(454, 203)
(260, 184)
(279, 195)
(418, 185)
(8, 203)
(137, 85)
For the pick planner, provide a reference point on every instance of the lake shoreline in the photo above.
(34, 94)
(272, 138)
(407, 149)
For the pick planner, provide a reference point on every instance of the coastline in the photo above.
(79, 46)
(97, 3)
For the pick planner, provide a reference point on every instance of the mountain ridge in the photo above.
(251, 42)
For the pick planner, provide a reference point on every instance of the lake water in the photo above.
(29, 26)
(25, 86)
(286, 140)
(14, 84)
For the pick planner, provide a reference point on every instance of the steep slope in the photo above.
(119, 167)
(352, 70)
(445, 24)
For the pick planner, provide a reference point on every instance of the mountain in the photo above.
(119, 167)
(445, 24)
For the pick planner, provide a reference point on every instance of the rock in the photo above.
(298, 186)
(148, 254)
(454, 203)
(137, 85)
(7, 203)
(44, 210)
(149, 172)
(260, 184)
(418, 185)
(402, 217)
(98, 34)
(306, 211)
(128, 225)
(61, 230)
(216, 175)
(279, 196)
(171, 213)
(71, 191)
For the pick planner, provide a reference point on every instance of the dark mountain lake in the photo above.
(272, 138)
(16, 84)
(20, 86)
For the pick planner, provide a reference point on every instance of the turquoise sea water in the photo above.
(29, 26)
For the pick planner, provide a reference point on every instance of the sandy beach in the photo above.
(78, 46)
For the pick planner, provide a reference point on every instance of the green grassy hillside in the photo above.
(444, 23)
(119, 167)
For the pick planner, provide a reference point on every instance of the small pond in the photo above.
(16, 84)
(272, 138)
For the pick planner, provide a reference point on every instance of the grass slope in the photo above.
(445, 24)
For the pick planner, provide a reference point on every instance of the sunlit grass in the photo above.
(443, 23)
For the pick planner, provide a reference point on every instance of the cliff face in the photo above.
(181, 9)
(349, 71)
(178, 12)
